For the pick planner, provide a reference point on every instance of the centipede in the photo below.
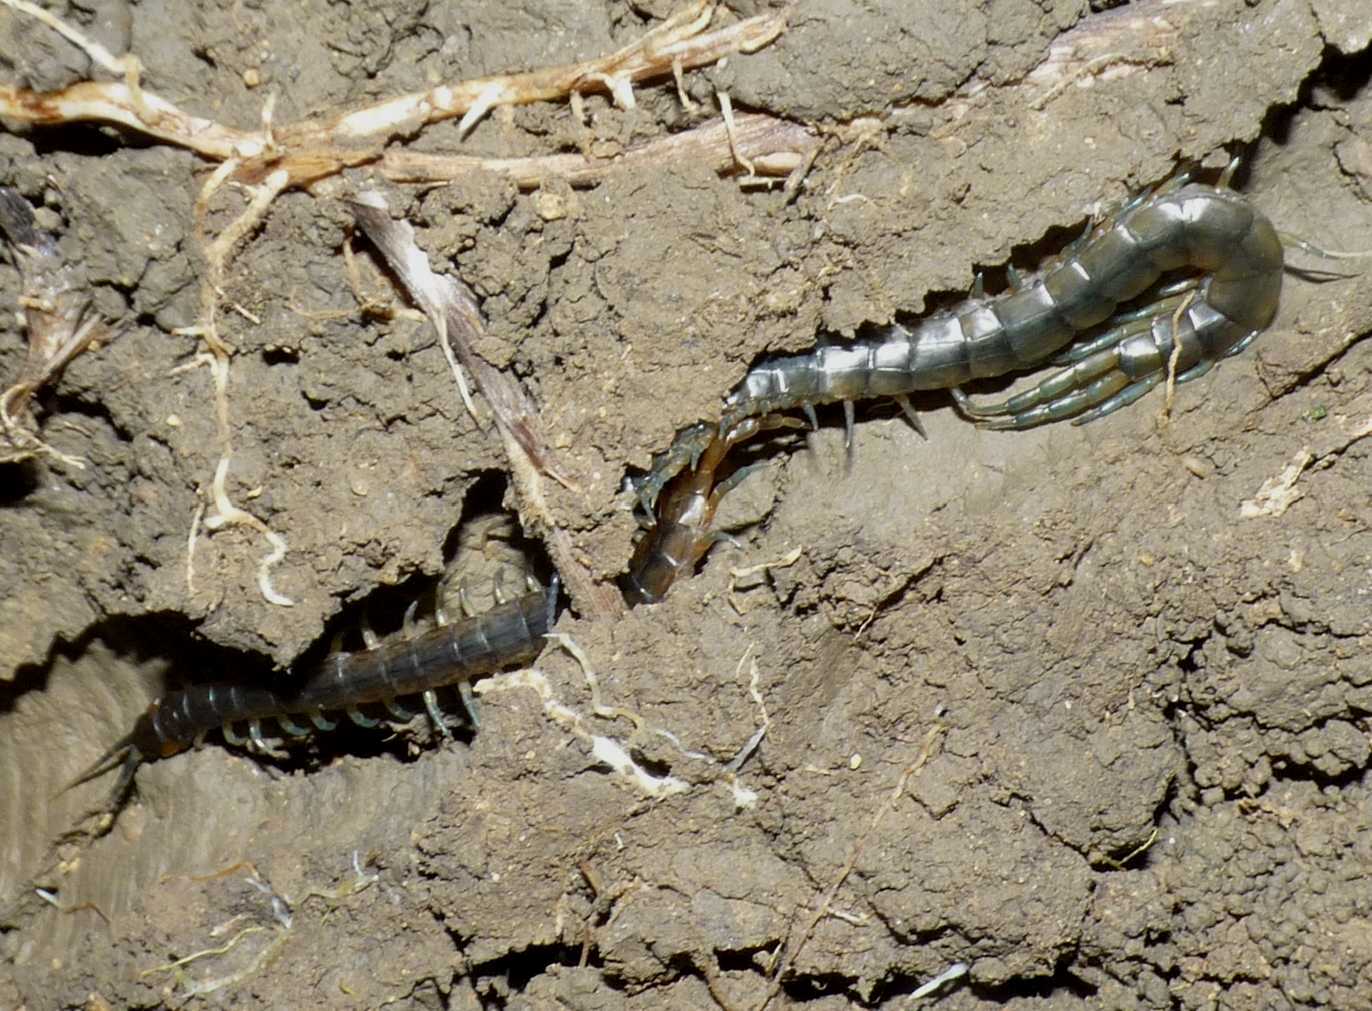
(389, 673)
(682, 533)
(1233, 250)
(1067, 314)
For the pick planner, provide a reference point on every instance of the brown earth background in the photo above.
(1044, 703)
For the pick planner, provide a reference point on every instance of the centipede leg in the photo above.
(685, 450)
(468, 697)
(1242, 345)
(1126, 396)
(124, 783)
(321, 722)
(358, 717)
(369, 638)
(1056, 389)
(291, 727)
(260, 743)
(908, 409)
(1227, 175)
(1126, 325)
(498, 587)
(401, 714)
(436, 715)
(1094, 384)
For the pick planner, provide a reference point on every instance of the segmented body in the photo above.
(508, 634)
(681, 534)
(1208, 229)
(1236, 260)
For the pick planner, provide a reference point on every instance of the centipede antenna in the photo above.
(1328, 254)
(908, 409)
(1305, 246)
(127, 757)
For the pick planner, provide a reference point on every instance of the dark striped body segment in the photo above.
(506, 635)
(1206, 229)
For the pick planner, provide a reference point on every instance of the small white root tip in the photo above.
(954, 971)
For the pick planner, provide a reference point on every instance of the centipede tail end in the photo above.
(140, 745)
(124, 755)
(116, 754)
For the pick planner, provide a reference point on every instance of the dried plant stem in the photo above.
(773, 146)
(312, 149)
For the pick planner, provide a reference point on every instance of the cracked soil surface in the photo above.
(1045, 703)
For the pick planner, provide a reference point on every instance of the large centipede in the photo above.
(1236, 261)
(1217, 312)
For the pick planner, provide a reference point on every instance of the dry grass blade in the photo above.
(452, 309)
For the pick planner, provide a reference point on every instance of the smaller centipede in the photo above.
(681, 532)
(451, 653)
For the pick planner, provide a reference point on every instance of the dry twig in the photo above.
(321, 146)
(55, 313)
